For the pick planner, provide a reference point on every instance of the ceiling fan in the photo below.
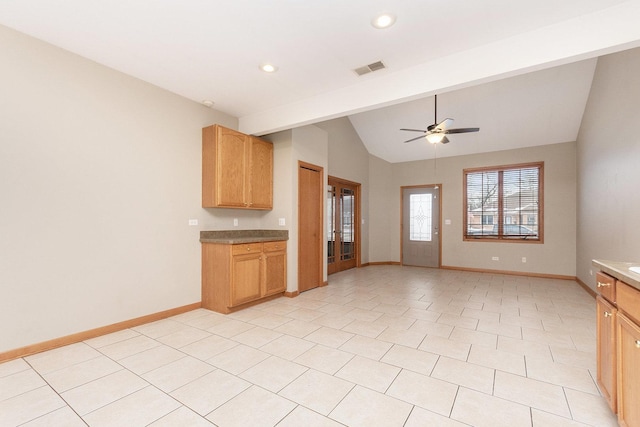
(437, 132)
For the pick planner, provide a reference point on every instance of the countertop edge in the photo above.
(232, 237)
(619, 270)
(244, 240)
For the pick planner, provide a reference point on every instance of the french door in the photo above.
(343, 225)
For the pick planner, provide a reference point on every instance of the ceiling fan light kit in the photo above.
(435, 138)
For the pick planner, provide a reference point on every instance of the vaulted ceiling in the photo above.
(519, 70)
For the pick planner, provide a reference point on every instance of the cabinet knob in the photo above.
(248, 248)
(637, 343)
(607, 314)
(602, 285)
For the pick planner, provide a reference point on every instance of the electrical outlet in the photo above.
(495, 258)
(590, 272)
(235, 222)
(281, 221)
(524, 259)
(193, 222)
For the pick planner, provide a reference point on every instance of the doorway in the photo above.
(343, 225)
(310, 225)
(421, 226)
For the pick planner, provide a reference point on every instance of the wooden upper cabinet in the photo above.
(237, 170)
(260, 174)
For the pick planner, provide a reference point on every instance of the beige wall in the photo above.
(308, 144)
(384, 201)
(99, 175)
(608, 158)
(556, 256)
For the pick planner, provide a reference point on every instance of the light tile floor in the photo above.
(380, 346)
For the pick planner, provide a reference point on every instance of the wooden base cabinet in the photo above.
(618, 346)
(628, 300)
(628, 372)
(236, 275)
(606, 348)
(246, 274)
(275, 268)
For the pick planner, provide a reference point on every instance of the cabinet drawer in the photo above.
(628, 300)
(275, 246)
(247, 248)
(606, 286)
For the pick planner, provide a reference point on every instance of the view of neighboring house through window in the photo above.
(504, 203)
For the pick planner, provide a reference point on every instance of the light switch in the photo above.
(447, 222)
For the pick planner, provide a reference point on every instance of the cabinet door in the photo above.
(606, 348)
(245, 278)
(275, 260)
(260, 174)
(231, 158)
(629, 372)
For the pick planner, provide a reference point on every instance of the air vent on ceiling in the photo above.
(375, 66)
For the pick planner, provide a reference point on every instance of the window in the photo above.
(511, 196)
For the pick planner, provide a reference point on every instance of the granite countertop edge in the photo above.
(232, 237)
(619, 270)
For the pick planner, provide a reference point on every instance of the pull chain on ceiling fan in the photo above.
(437, 132)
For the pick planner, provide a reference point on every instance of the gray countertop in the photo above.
(620, 270)
(231, 237)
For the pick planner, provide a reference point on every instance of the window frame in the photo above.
(500, 210)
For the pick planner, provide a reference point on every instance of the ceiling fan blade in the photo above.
(443, 124)
(461, 130)
(445, 140)
(413, 139)
(415, 130)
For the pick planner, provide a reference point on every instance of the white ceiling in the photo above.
(483, 59)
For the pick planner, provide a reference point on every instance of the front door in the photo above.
(421, 226)
(343, 206)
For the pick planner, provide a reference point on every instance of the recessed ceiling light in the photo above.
(384, 20)
(268, 68)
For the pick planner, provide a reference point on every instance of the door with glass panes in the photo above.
(343, 239)
(421, 226)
